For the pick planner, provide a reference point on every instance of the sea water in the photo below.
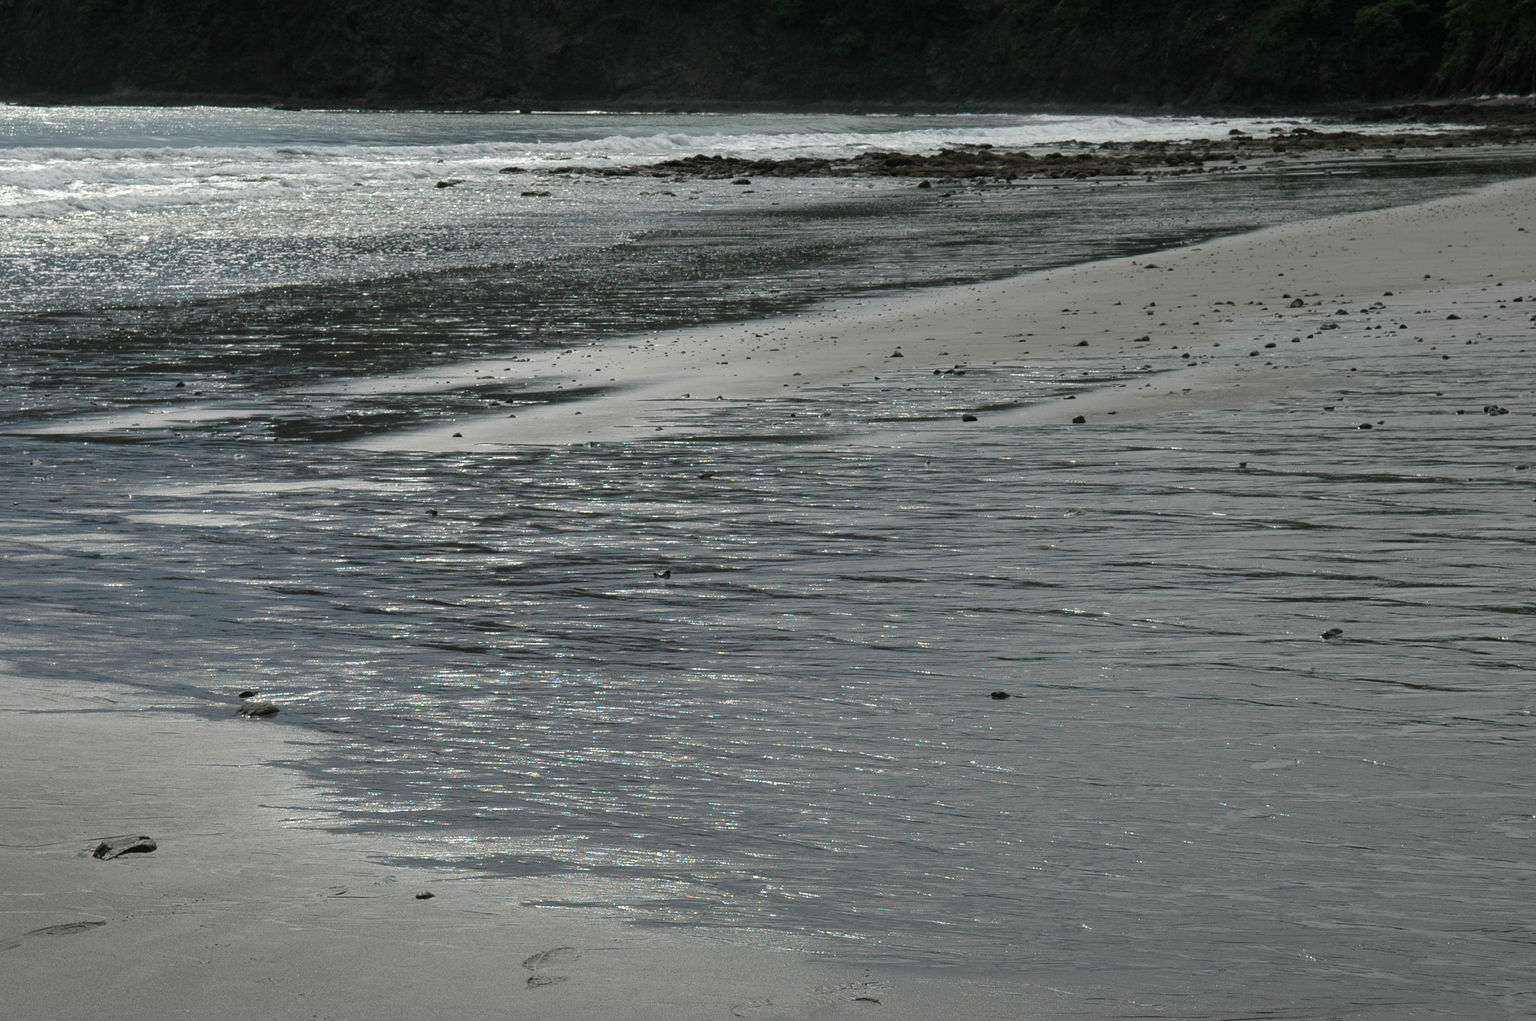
(1191, 795)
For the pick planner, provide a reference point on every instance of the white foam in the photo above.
(49, 182)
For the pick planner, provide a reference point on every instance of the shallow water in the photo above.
(1190, 794)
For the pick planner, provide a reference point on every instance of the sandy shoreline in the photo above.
(250, 909)
(1198, 321)
(1216, 323)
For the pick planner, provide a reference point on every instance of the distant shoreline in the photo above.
(1469, 110)
(1486, 122)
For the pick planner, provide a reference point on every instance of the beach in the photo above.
(796, 556)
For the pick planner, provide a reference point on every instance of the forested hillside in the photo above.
(771, 51)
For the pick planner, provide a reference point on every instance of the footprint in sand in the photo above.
(541, 963)
(749, 1008)
(67, 929)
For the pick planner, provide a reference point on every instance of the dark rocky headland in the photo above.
(767, 53)
(1082, 162)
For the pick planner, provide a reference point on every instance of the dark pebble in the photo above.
(115, 847)
(967, 418)
(1000, 695)
(1079, 420)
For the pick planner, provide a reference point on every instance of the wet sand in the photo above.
(249, 908)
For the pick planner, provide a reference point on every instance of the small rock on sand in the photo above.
(115, 847)
(258, 709)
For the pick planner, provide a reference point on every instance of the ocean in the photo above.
(1190, 793)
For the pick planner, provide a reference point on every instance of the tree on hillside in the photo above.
(1490, 46)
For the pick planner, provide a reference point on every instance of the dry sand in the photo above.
(1216, 302)
(250, 909)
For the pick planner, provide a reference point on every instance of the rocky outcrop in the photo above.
(1106, 159)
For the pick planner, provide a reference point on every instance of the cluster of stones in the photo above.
(1108, 159)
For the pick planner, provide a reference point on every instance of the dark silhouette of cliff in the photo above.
(770, 52)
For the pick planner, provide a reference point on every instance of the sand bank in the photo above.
(250, 909)
(1219, 324)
